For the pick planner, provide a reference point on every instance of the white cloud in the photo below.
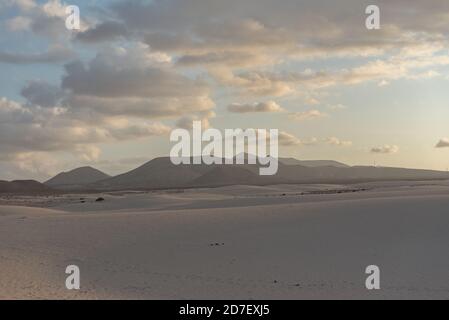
(253, 83)
(37, 164)
(443, 143)
(334, 141)
(41, 93)
(105, 31)
(288, 139)
(31, 128)
(88, 153)
(307, 115)
(269, 106)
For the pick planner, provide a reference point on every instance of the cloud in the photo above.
(135, 131)
(88, 153)
(123, 73)
(136, 83)
(113, 98)
(443, 143)
(228, 58)
(22, 4)
(240, 35)
(158, 60)
(395, 67)
(105, 31)
(19, 23)
(41, 165)
(53, 55)
(288, 139)
(305, 30)
(253, 83)
(103, 80)
(269, 106)
(31, 128)
(187, 122)
(307, 115)
(334, 141)
(386, 149)
(171, 107)
(41, 93)
(277, 83)
(45, 19)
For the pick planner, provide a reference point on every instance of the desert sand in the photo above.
(239, 242)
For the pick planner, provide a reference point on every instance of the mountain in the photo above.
(76, 179)
(300, 174)
(155, 174)
(23, 186)
(160, 173)
(312, 163)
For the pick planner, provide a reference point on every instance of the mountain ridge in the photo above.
(76, 178)
(161, 173)
(23, 186)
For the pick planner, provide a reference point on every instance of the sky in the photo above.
(109, 94)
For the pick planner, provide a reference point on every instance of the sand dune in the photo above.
(241, 242)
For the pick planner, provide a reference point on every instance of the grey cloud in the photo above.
(133, 83)
(108, 30)
(167, 41)
(53, 55)
(42, 93)
(300, 29)
(48, 26)
(229, 58)
(44, 19)
(104, 79)
(138, 131)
